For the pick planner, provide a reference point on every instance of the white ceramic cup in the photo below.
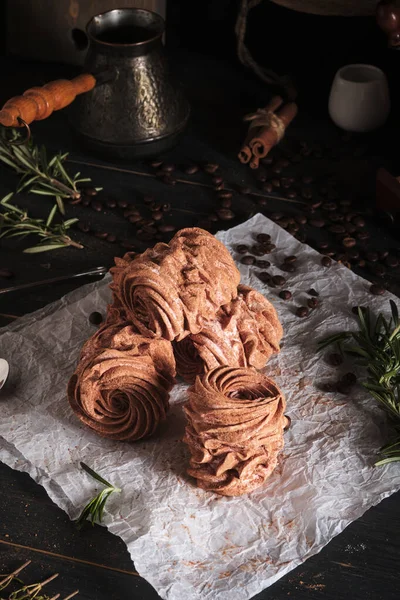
(359, 100)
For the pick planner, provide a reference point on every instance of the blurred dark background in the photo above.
(308, 47)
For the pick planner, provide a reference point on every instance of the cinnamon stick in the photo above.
(267, 137)
(245, 153)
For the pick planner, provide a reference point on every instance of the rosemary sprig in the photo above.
(39, 174)
(31, 591)
(95, 508)
(16, 222)
(376, 346)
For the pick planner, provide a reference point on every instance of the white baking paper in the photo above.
(186, 542)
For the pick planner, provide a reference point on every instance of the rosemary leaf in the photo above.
(95, 508)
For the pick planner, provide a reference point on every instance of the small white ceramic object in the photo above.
(4, 370)
(359, 100)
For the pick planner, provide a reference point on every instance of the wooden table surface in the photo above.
(361, 563)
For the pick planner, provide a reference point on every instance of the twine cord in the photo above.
(268, 119)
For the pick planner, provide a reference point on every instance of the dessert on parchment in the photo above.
(171, 290)
(244, 333)
(234, 432)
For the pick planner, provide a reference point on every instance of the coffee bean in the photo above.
(326, 261)
(135, 218)
(260, 175)
(343, 388)
(337, 229)
(190, 169)
(290, 259)
(307, 179)
(258, 250)
(263, 238)
(302, 312)
(288, 267)
(111, 203)
(242, 248)
(95, 318)
(244, 190)
(306, 193)
(312, 303)
(156, 163)
(263, 264)
(127, 245)
(353, 254)
(83, 227)
(277, 169)
(268, 248)
(284, 163)
(329, 206)
(317, 223)
(168, 179)
(122, 203)
(377, 290)
(359, 222)
(166, 207)
(284, 222)
(372, 256)
(350, 228)
(89, 191)
(285, 295)
(349, 242)
(336, 217)
(276, 216)
(327, 386)
(211, 168)
(267, 187)
(267, 160)
(130, 211)
(323, 245)
(248, 260)
(101, 234)
(301, 219)
(278, 280)
(361, 263)
(378, 270)
(86, 201)
(96, 205)
(334, 359)
(6, 273)
(224, 194)
(363, 235)
(166, 227)
(168, 167)
(291, 194)
(392, 262)
(276, 183)
(217, 180)
(264, 276)
(349, 379)
(285, 182)
(157, 215)
(313, 292)
(225, 214)
(345, 202)
(213, 217)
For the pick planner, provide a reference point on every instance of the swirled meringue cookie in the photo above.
(121, 386)
(235, 424)
(172, 289)
(244, 333)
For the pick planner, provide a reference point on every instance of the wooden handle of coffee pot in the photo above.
(38, 103)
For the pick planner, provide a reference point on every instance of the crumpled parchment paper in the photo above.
(186, 542)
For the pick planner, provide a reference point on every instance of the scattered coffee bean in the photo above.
(168, 179)
(392, 262)
(350, 228)
(226, 203)
(258, 250)
(291, 194)
(168, 167)
(124, 203)
(285, 295)
(111, 238)
(267, 187)
(263, 238)
(276, 216)
(313, 292)
(127, 245)
(166, 228)
(383, 254)
(276, 183)
(278, 280)
(349, 379)
(217, 180)
(328, 386)
(86, 201)
(290, 259)
(326, 261)
(101, 234)
(260, 175)
(263, 264)
(248, 260)
(358, 221)
(377, 290)
(191, 169)
(264, 276)
(334, 359)
(242, 248)
(223, 194)
(283, 222)
(285, 182)
(344, 389)
(337, 229)
(111, 203)
(302, 312)
(6, 273)
(372, 256)
(95, 318)
(329, 206)
(82, 226)
(312, 303)
(96, 205)
(288, 267)
(348, 242)
(156, 163)
(336, 217)
(307, 179)
(378, 270)
(301, 219)
(225, 214)
(306, 193)
(317, 223)
(211, 168)
(157, 215)
(89, 191)
(363, 235)
(267, 160)
(244, 190)
(324, 245)
(361, 263)
(135, 218)
(353, 254)
(277, 169)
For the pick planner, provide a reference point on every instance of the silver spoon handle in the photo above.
(100, 271)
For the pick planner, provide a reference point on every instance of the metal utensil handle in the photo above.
(97, 271)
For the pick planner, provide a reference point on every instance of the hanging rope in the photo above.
(245, 57)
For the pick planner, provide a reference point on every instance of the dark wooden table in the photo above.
(361, 563)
